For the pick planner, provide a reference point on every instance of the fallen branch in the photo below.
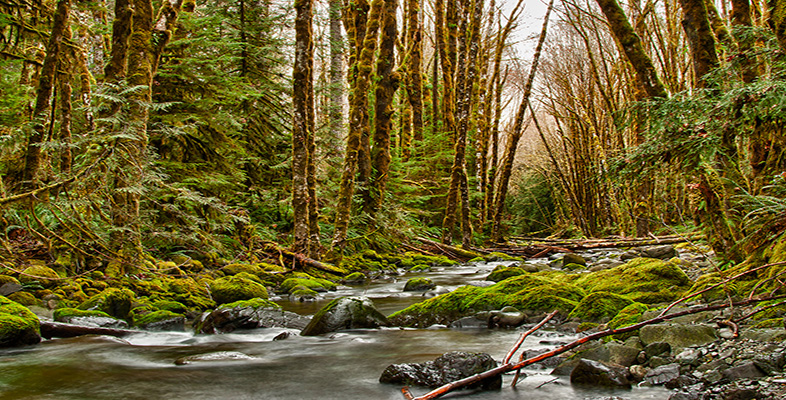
(301, 259)
(508, 367)
(521, 341)
(455, 252)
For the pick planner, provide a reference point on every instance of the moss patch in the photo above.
(113, 301)
(61, 314)
(419, 283)
(629, 315)
(501, 273)
(45, 276)
(645, 280)
(155, 316)
(599, 306)
(307, 281)
(252, 303)
(233, 288)
(18, 325)
(23, 298)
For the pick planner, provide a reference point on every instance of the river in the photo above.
(344, 365)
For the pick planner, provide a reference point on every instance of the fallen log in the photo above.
(452, 251)
(587, 244)
(508, 367)
(61, 330)
(301, 259)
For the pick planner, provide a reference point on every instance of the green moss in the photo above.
(113, 301)
(769, 324)
(18, 325)
(419, 283)
(477, 260)
(554, 296)
(722, 292)
(420, 268)
(642, 279)
(629, 315)
(319, 285)
(300, 292)
(23, 298)
(233, 288)
(169, 305)
(155, 316)
(442, 309)
(234, 269)
(8, 279)
(252, 303)
(62, 313)
(497, 256)
(574, 267)
(599, 306)
(501, 273)
(585, 326)
(357, 277)
(45, 276)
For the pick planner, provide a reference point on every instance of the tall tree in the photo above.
(515, 133)
(303, 124)
(414, 87)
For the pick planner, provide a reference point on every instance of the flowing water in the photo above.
(344, 365)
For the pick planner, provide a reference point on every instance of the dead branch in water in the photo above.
(508, 367)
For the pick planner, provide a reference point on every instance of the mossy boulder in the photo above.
(573, 258)
(497, 256)
(573, 267)
(237, 287)
(161, 320)
(93, 318)
(170, 305)
(63, 314)
(419, 284)
(113, 301)
(678, 336)
(345, 313)
(355, 278)
(303, 294)
(234, 269)
(8, 279)
(501, 273)
(538, 292)
(600, 306)
(629, 315)
(23, 298)
(307, 281)
(248, 314)
(45, 276)
(18, 325)
(420, 268)
(644, 280)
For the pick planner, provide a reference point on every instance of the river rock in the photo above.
(508, 317)
(663, 252)
(219, 356)
(745, 371)
(250, 314)
(573, 258)
(595, 373)
(419, 284)
(345, 313)
(446, 368)
(678, 336)
(663, 374)
(18, 325)
(95, 322)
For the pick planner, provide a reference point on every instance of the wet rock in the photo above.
(657, 349)
(345, 313)
(9, 288)
(678, 335)
(18, 325)
(446, 368)
(588, 372)
(688, 357)
(573, 258)
(248, 314)
(508, 317)
(95, 322)
(419, 284)
(622, 355)
(685, 396)
(638, 372)
(663, 374)
(655, 362)
(479, 320)
(744, 371)
(663, 252)
(219, 356)
(681, 382)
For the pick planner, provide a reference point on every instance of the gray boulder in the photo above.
(595, 373)
(446, 368)
(248, 316)
(678, 336)
(663, 374)
(508, 317)
(345, 313)
(663, 252)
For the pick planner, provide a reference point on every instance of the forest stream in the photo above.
(251, 365)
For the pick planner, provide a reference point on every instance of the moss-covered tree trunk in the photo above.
(46, 83)
(336, 107)
(777, 21)
(446, 27)
(414, 72)
(115, 69)
(65, 92)
(700, 37)
(302, 126)
(515, 134)
(387, 83)
(358, 110)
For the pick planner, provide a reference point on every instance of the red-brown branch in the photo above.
(447, 388)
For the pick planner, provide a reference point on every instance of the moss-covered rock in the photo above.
(420, 268)
(315, 284)
(419, 284)
(23, 298)
(113, 301)
(355, 278)
(18, 325)
(502, 272)
(234, 269)
(600, 306)
(64, 314)
(8, 279)
(497, 256)
(645, 280)
(233, 288)
(170, 305)
(345, 313)
(303, 294)
(155, 317)
(574, 267)
(45, 276)
(631, 314)
(573, 258)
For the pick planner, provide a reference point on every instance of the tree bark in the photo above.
(46, 82)
(515, 134)
(414, 71)
(696, 24)
(302, 128)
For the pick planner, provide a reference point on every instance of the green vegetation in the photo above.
(238, 287)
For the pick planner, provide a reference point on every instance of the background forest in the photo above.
(212, 127)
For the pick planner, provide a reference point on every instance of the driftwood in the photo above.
(508, 367)
(299, 259)
(456, 253)
(60, 330)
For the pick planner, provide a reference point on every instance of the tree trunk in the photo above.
(302, 127)
(46, 82)
(777, 21)
(515, 134)
(415, 78)
(358, 112)
(336, 107)
(696, 24)
(115, 70)
(387, 83)
(446, 32)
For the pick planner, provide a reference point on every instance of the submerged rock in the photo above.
(248, 314)
(345, 313)
(219, 356)
(446, 368)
